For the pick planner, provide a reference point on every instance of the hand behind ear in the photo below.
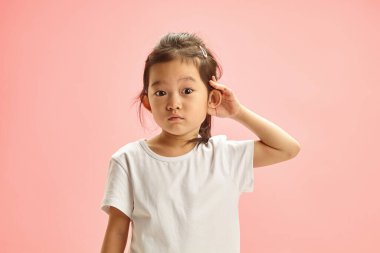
(222, 101)
(214, 99)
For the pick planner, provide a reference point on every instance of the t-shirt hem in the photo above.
(105, 206)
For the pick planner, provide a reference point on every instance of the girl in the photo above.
(181, 188)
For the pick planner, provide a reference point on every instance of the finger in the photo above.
(218, 85)
(222, 90)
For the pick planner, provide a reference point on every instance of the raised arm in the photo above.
(275, 145)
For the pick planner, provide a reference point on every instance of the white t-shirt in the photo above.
(183, 204)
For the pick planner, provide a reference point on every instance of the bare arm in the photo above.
(116, 235)
(275, 145)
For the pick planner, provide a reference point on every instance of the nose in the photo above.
(173, 103)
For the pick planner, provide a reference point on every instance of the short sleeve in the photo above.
(239, 156)
(118, 189)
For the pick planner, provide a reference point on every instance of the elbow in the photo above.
(293, 152)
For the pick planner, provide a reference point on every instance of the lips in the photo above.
(172, 117)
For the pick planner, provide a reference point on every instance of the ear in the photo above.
(214, 99)
(146, 103)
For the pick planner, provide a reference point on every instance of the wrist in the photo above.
(239, 113)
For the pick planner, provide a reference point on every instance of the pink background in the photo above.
(69, 72)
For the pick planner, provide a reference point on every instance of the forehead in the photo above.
(173, 71)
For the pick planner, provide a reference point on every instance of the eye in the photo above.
(159, 92)
(188, 90)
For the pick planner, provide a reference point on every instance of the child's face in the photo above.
(175, 94)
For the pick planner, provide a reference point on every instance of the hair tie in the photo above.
(203, 51)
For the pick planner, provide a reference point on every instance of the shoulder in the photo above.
(125, 151)
(217, 139)
(214, 142)
(223, 143)
(224, 140)
(231, 146)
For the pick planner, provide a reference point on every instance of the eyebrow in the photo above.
(190, 78)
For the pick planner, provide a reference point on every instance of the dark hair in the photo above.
(190, 48)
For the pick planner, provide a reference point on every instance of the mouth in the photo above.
(175, 118)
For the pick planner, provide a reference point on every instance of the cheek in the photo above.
(154, 103)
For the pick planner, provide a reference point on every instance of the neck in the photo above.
(179, 141)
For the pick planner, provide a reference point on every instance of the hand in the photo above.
(229, 106)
